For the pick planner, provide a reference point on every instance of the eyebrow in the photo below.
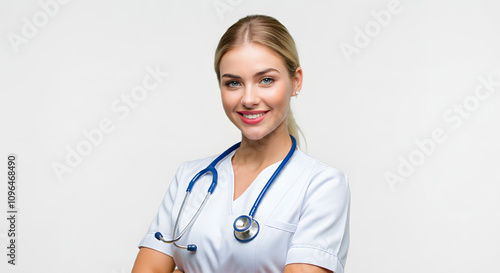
(256, 74)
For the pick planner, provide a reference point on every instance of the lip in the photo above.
(251, 112)
(252, 121)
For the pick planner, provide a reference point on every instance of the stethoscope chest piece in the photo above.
(245, 228)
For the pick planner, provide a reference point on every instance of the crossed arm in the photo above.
(152, 261)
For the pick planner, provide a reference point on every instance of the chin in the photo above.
(257, 133)
(254, 135)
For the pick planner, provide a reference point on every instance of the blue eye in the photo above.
(232, 84)
(267, 81)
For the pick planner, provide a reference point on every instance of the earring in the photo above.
(297, 94)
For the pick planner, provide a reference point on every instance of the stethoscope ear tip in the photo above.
(192, 248)
(158, 236)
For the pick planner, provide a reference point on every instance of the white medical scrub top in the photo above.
(303, 218)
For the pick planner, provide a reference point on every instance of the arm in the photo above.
(148, 259)
(152, 261)
(322, 235)
(305, 268)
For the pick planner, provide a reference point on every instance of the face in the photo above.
(256, 89)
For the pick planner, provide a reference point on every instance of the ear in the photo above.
(297, 81)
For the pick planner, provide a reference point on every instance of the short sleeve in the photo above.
(322, 235)
(163, 221)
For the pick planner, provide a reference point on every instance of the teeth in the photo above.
(253, 116)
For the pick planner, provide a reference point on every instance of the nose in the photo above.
(250, 97)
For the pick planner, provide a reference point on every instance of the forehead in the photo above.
(250, 58)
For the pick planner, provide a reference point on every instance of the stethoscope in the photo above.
(245, 226)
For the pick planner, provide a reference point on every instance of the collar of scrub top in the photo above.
(245, 227)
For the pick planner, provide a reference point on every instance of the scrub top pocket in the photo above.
(287, 227)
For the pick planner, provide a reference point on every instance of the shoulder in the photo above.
(322, 181)
(317, 169)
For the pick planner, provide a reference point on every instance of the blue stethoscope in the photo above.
(245, 226)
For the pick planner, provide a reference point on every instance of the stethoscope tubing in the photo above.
(178, 237)
(271, 180)
(241, 234)
(190, 222)
(211, 168)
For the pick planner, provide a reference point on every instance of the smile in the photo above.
(252, 118)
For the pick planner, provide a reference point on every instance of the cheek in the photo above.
(281, 97)
(228, 102)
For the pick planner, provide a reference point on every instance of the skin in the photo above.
(253, 78)
(152, 261)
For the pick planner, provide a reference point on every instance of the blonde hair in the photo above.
(267, 31)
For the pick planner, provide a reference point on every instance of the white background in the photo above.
(361, 113)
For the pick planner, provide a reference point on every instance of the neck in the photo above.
(263, 152)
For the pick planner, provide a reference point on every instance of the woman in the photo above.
(303, 218)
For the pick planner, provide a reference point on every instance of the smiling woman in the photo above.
(268, 34)
(256, 86)
(299, 207)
